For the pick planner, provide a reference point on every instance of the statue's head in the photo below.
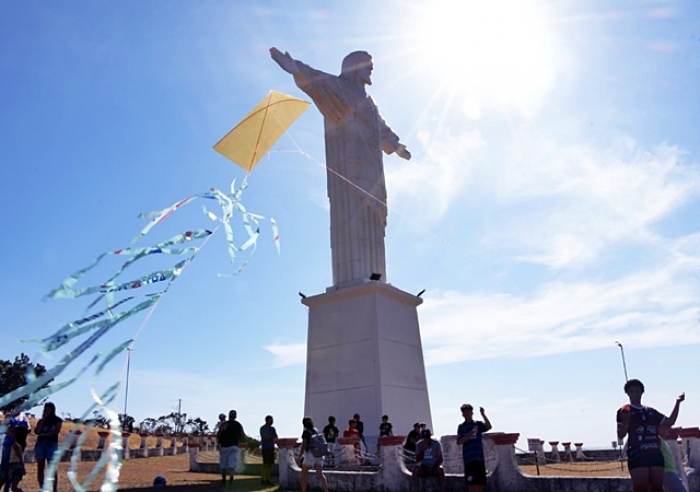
(358, 66)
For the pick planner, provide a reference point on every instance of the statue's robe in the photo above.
(355, 136)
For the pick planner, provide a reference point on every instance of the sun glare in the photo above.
(485, 49)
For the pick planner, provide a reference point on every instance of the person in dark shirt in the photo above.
(412, 438)
(307, 458)
(229, 435)
(385, 430)
(641, 426)
(469, 437)
(268, 438)
(360, 429)
(331, 432)
(47, 431)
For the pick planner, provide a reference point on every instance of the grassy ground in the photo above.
(138, 474)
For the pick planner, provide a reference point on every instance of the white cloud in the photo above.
(287, 354)
(650, 308)
(567, 203)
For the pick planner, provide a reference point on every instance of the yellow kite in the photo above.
(259, 130)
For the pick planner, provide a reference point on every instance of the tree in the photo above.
(197, 426)
(174, 423)
(98, 420)
(126, 422)
(149, 425)
(13, 375)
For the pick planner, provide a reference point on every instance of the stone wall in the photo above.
(499, 448)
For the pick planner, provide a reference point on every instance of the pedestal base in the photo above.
(364, 355)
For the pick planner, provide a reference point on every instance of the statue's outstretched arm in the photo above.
(390, 141)
(403, 152)
(284, 60)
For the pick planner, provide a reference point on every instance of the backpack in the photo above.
(318, 445)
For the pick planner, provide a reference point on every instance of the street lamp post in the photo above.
(126, 393)
(624, 364)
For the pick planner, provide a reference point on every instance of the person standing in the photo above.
(640, 424)
(230, 434)
(469, 435)
(361, 431)
(16, 470)
(268, 438)
(307, 458)
(47, 431)
(222, 420)
(331, 432)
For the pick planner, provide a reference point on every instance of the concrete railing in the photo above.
(499, 453)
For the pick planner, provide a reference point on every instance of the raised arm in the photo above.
(487, 422)
(671, 420)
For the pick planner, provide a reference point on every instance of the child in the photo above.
(385, 430)
(7, 443)
(17, 431)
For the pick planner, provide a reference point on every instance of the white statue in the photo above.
(356, 135)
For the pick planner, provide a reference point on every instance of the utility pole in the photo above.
(624, 364)
(128, 364)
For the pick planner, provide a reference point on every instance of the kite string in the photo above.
(440, 239)
(160, 297)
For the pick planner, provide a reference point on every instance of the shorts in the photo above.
(644, 459)
(475, 473)
(16, 472)
(310, 461)
(268, 456)
(228, 458)
(44, 450)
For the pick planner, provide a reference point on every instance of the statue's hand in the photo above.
(403, 152)
(284, 60)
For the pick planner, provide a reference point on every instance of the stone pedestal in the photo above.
(159, 444)
(364, 355)
(349, 456)
(103, 439)
(76, 439)
(143, 446)
(555, 451)
(540, 457)
(125, 445)
(567, 452)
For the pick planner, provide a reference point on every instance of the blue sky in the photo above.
(550, 208)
